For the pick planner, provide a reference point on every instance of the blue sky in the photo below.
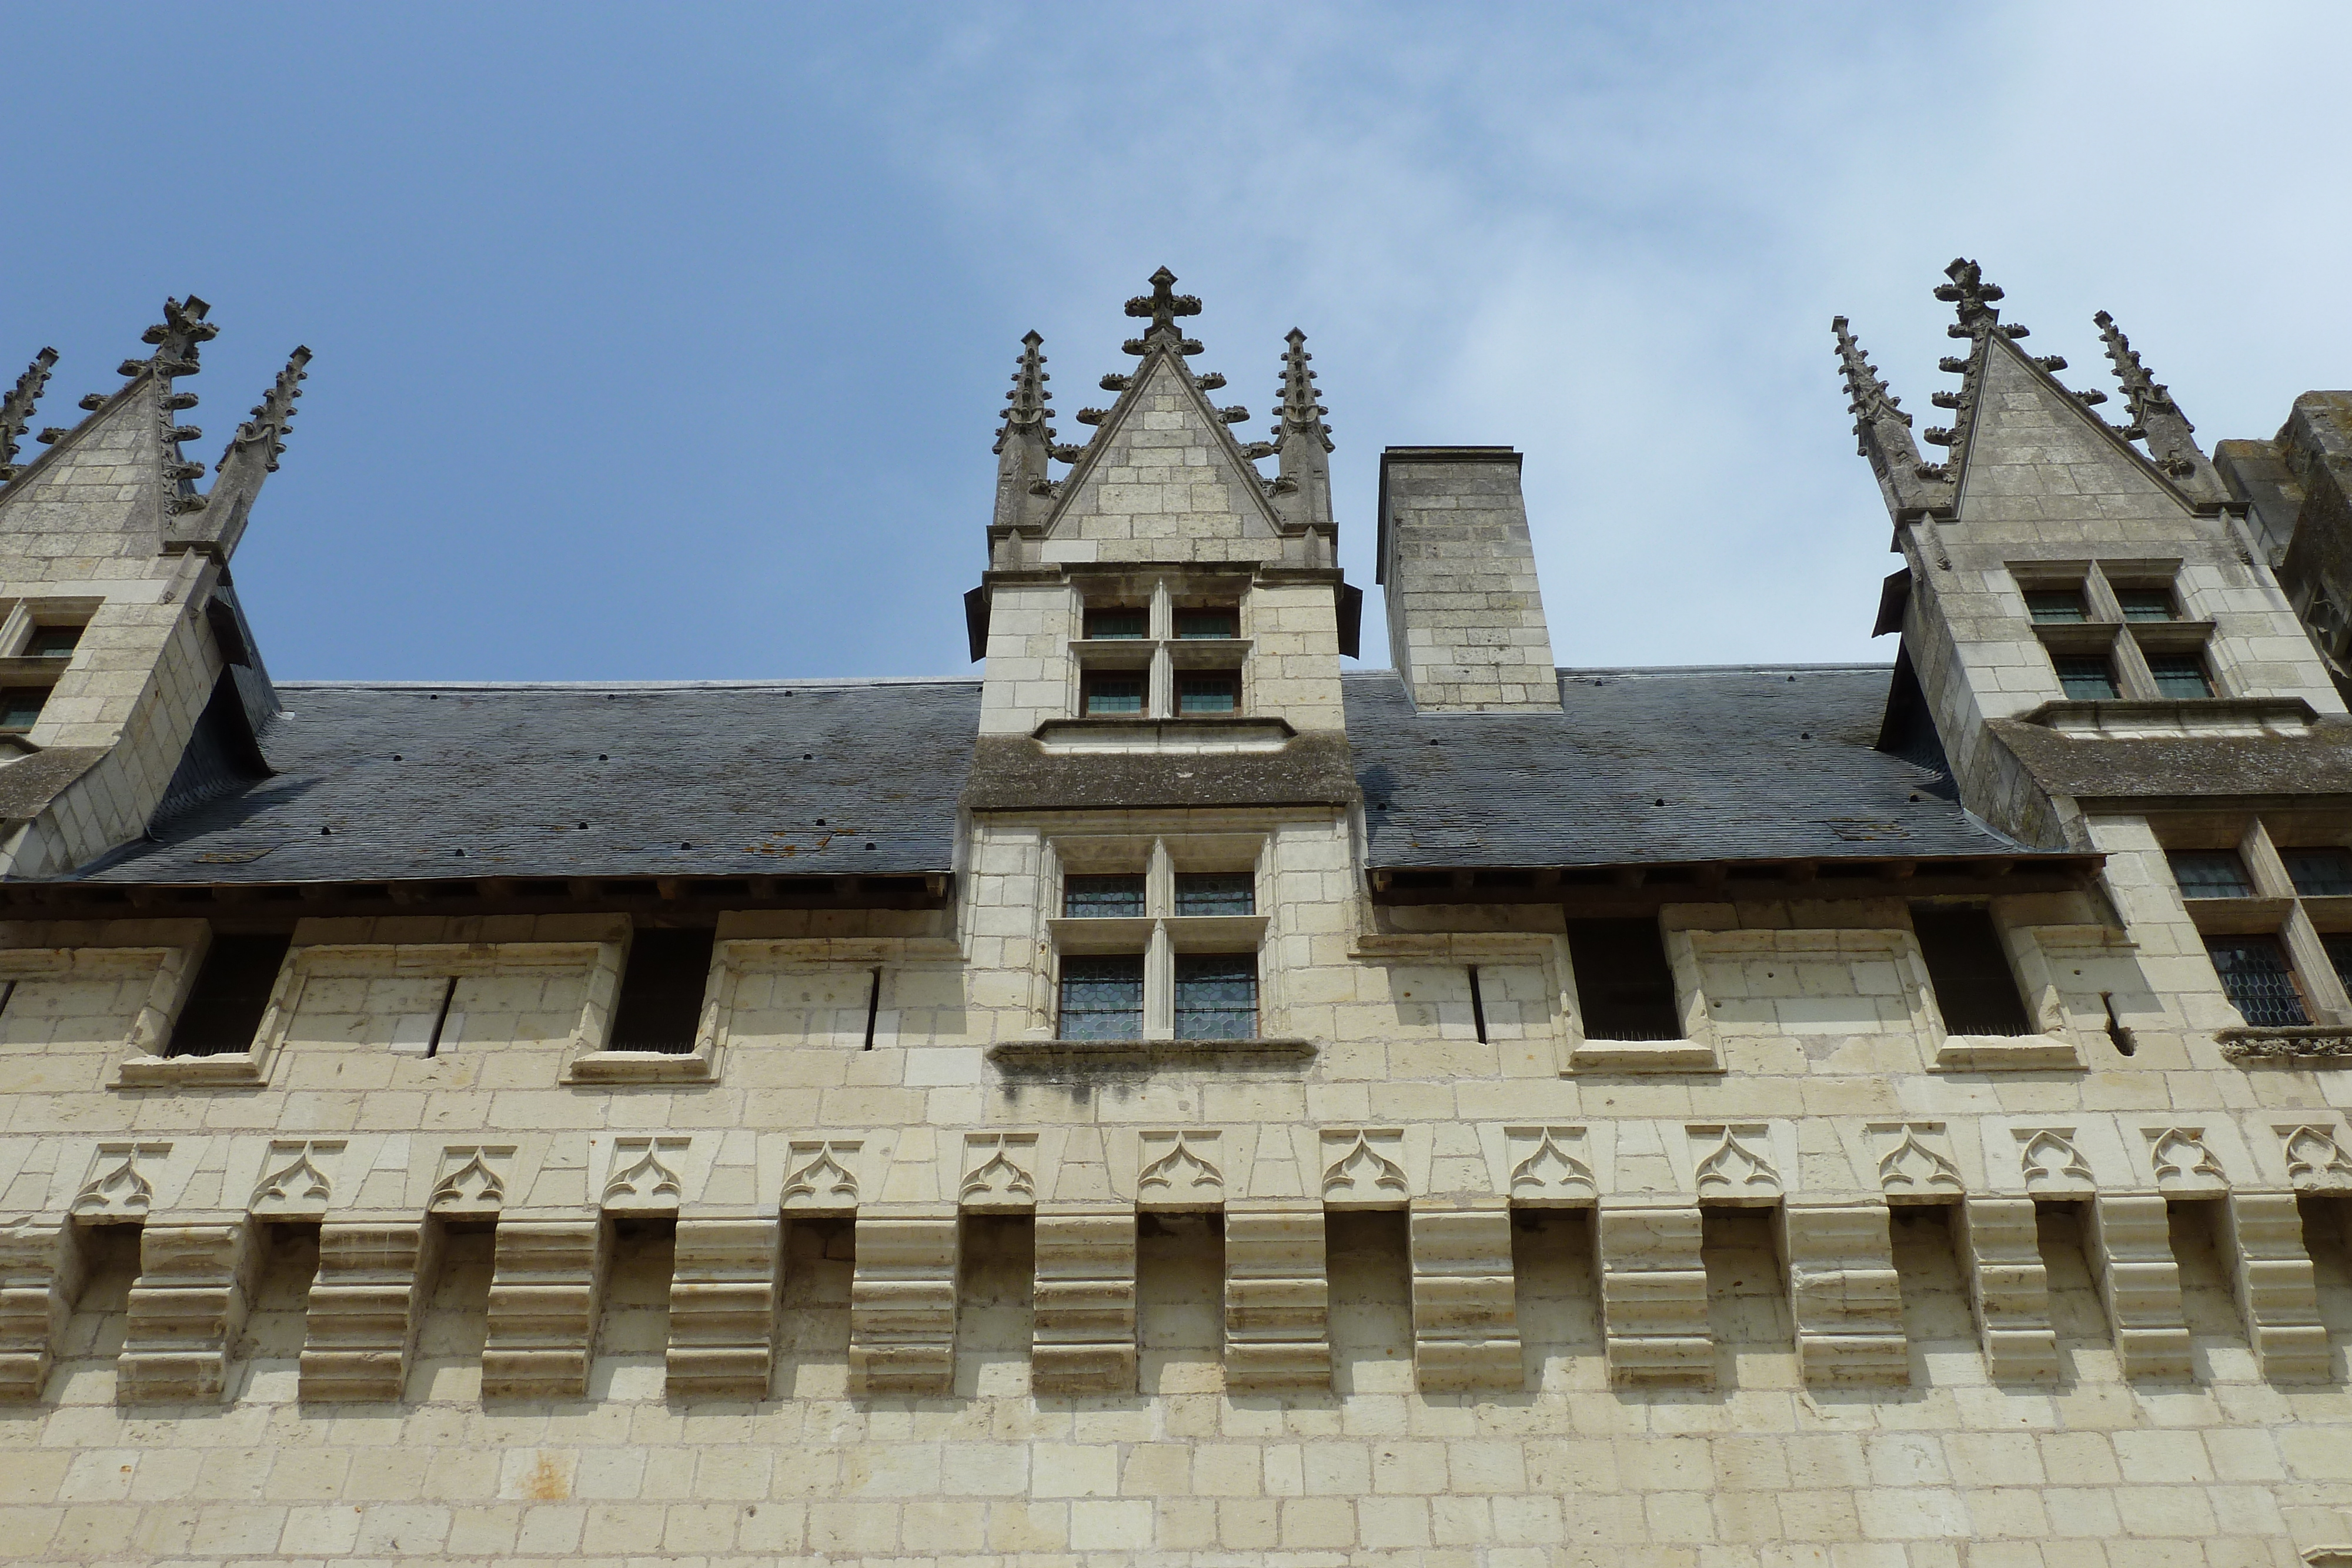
(666, 342)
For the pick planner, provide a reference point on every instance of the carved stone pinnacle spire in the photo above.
(266, 431)
(1302, 491)
(1163, 305)
(177, 337)
(1029, 404)
(1883, 435)
(1025, 442)
(17, 409)
(2157, 418)
(1297, 409)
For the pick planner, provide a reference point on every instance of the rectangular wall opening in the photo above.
(812, 1322)
(456, 1303)
(1368, 1252)
(93, 1337)
(1556, 1290)
(1180, 1303)
(631, 1349)
(660, 1007)
(997, 1293)
(1624, 987)
(1975, 989)
(1938, 1318)
(2086, 1343)
(1747, 1308)
(271, 1349)
(223, 1012)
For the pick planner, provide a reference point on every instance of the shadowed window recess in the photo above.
(223, 1012)
(53, 642)
(1102, 997)
(2056, 606)
(2255, 975)
(660, 1007)
(1100, 897)
(20, 706)
(1624, 987)
(1195, 625)
(2085, 676)
(2324, 873)
(2210, 874)
(1208, 694)
(2145, 604)
(1121, 623)
(1216, 893)
(1969, 969)
(1110, 696)
(1217, 995)
(2179, 676)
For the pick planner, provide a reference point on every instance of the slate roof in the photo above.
(1749, 762)
(793, 778)
(672, 779)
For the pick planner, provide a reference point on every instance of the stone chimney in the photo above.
(1465, 615)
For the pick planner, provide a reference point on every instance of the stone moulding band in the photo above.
(1131, 1055)
(2312, 1042)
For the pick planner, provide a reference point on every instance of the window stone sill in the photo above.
(1029, 1056)
(642, 1067)
(2007, 1053)
(1643, 1056)
(227, 1069)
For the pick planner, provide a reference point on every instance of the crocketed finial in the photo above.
(1029, 405)
(2156, 419)
(271, 416)
(17, 409)
(176, 336)
(1025, 442)
(1297, 409)
(1883, 435)
(1163, 305)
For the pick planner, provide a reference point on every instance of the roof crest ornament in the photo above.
(177, 337)
(2156, 419)
(1163, 305)
(17, 409)
(1972, 299)
(1883, 435)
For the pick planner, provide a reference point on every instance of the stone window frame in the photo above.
(741, 951)
(1159, 933)
(2056, 1043)
(1160, 653)
(1697, 1050)
(19, 619)
(2107, 633)
(170, 965)
(2299, 922)
(1544, 951)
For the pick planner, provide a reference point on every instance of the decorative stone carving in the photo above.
(1466, 1327)
(2277, 1289)
(473, 1178)
(362, 1317)
(1548, 1167)
(546, 1281)
(1277, 1297)
(1180, 1170)
(1915, 1163)
(1731, 1166)
(1083, 1328)
(1842, 1285)
(2131, 1258)
(2316, 1161)
(645, 1178)
(723, 1308)
(2182, 1163)
(1653, 1294)
(40, 1276)
(824, 1178)
(119, 1186)
(902, 1303)
(294, 1180)
(189, 1302)
(1362, 1168)
(2008, 1286)
(998, 1171)
(2051, 1165)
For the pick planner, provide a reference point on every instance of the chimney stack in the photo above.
(1465, 615)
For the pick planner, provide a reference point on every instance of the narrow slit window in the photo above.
(2145, 604)
(1216, 893)
(2254, 973)
(1477, 1006)
(2086, 676)
(1102, 996)
(1969, 971)
(1217, 995)
(2210, 874)
(1624, 984)
(873, 1006)
(2324, 873)
(1101, 897)
(223, 1009)
(1112, 695)
(1193, 625)
(660, 1009)
(20, 706)
(53, 642)
(2056, 606)
(1117, 624)
(441, 1019)
(2180, 675)
(1208, 694)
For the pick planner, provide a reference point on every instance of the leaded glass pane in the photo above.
(2210, 874)
(1096, 897)
(2085, 676)
(1114, 694)
(1207, 623)
(2062, 605)
(2145, 604)
(2321, 872)
(1102, 997)
(1207, 694)
(2179, 675)
(1216, 997)
(20, 706)
(1121, 623)
(1216, 893)
(2254, 973)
